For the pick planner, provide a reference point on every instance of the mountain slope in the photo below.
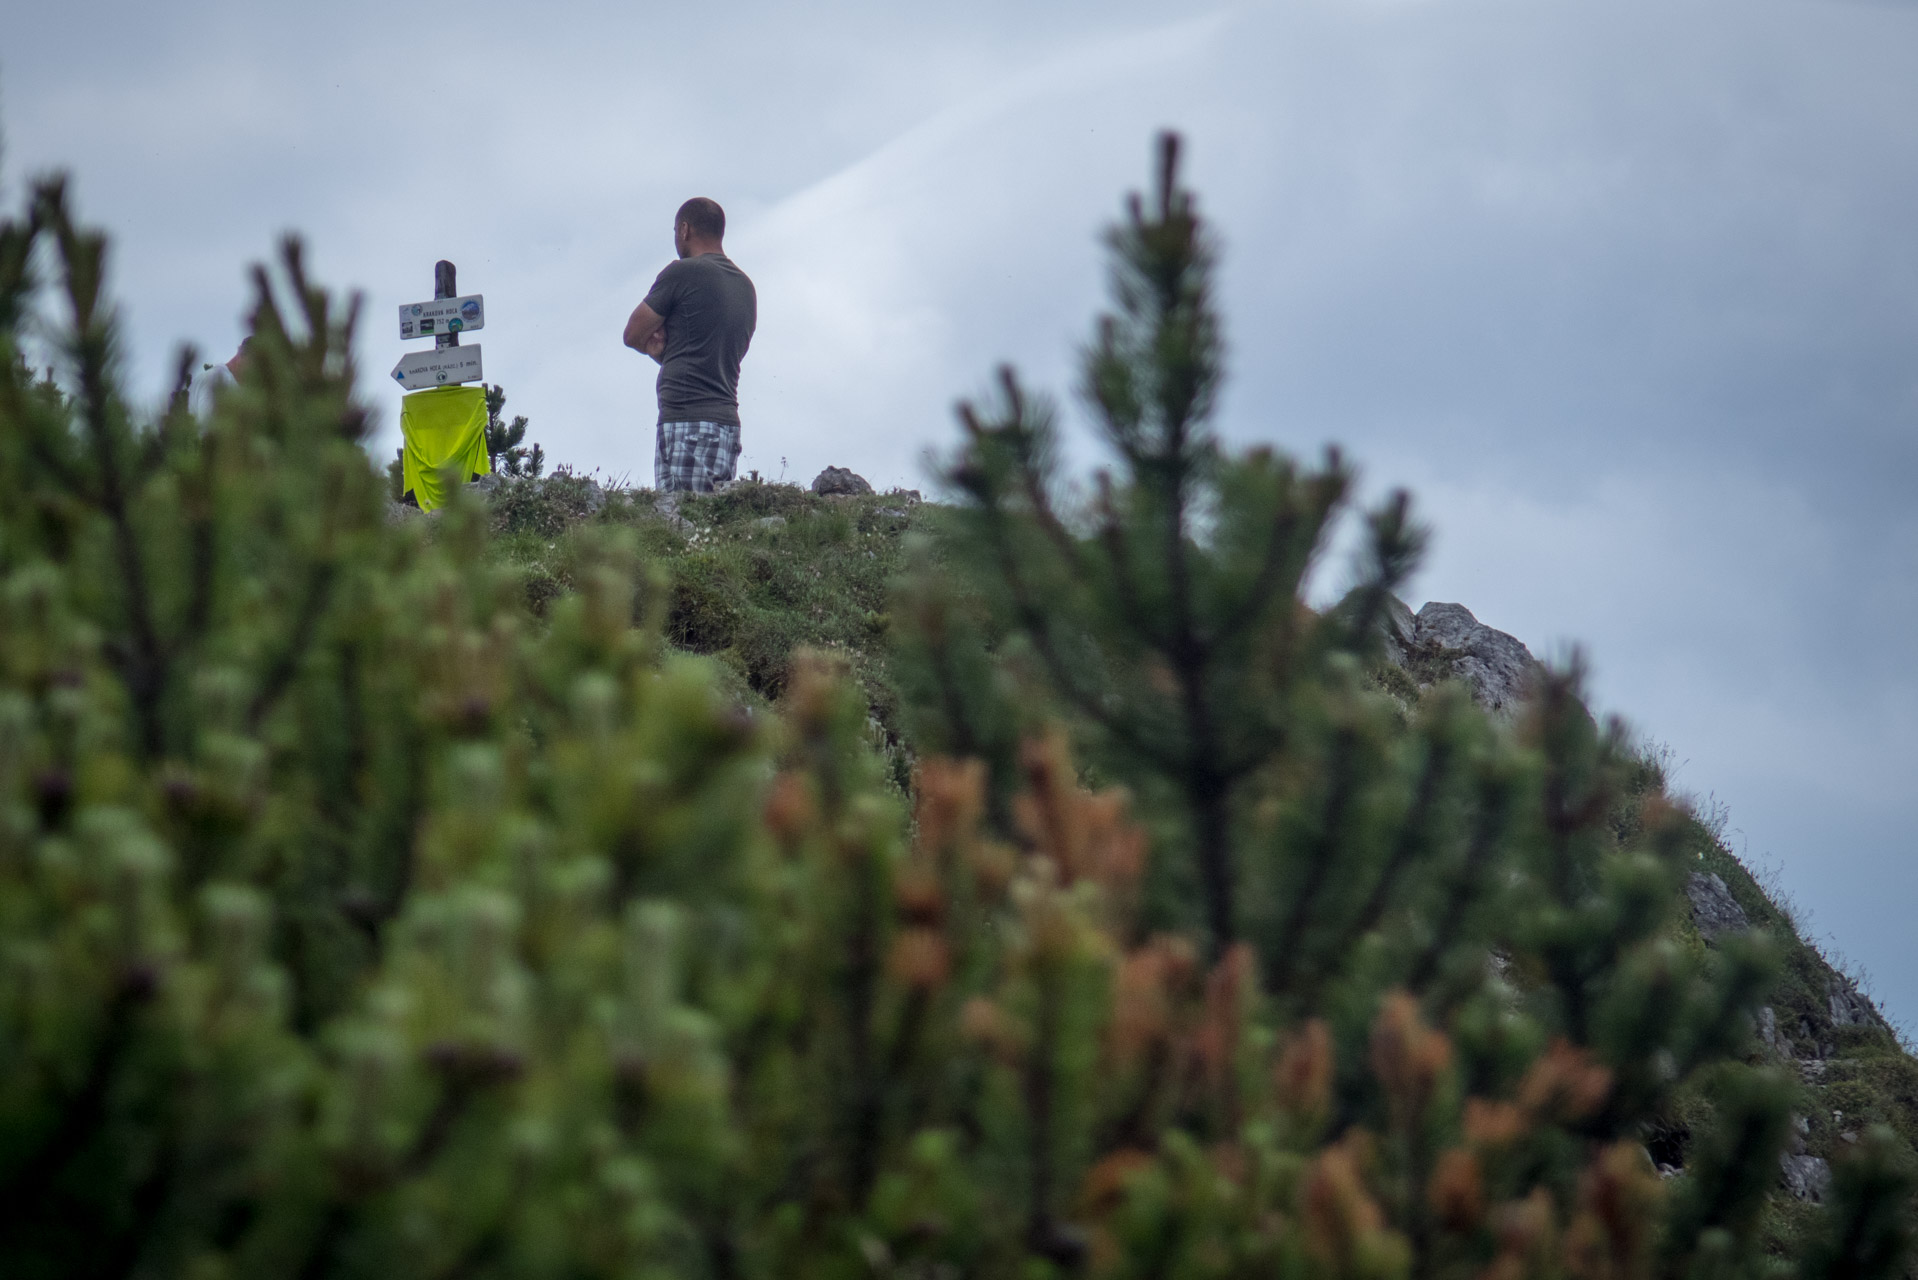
(751, 575)
(1819, 1025)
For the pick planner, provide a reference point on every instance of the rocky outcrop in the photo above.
(1849, 1006)
(1445, 642)
(1497, 666)
(1769, 1036)
(1819, 1022)
(1806, 1177)
(1401, 632)
(1714, 910)
(1808, 1038)
(840, 480)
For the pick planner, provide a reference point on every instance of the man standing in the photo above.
(706, 310)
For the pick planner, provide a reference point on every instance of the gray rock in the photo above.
(1806, 1177)
(1714, 910)
(1401, 631)
(770, 522)
(667, 505)
(1497, 667)
(840, 480)
(584, 490)
(1849, 1006)
(490, 482)
(1769, 1035)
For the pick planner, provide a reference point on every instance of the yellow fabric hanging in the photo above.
(443, 427)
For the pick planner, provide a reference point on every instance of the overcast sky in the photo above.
(1626, 291)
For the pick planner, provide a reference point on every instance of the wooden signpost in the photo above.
(443, 320)
(442, 422)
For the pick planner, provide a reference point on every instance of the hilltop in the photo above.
(748, 577)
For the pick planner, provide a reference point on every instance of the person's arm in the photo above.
(641, 326)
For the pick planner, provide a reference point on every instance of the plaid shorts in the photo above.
(694, 455)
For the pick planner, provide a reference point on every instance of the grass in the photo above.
(754, 574)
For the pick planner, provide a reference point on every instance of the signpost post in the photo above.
(445, 285)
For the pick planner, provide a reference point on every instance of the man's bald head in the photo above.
(698, 227)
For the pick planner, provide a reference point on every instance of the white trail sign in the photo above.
(442, 316)
(444, 367)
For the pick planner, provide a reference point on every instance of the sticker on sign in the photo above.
(443, 315)
(443, 368)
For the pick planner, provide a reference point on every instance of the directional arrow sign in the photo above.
(443, 315)
(442, 368)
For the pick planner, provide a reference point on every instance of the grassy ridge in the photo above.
(751, 576)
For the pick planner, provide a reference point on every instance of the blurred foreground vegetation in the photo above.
(800, 887)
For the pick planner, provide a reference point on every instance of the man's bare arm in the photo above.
(641, 326)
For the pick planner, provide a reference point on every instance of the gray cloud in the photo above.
(1626, 291)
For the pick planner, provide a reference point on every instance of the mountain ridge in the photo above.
(760, 570)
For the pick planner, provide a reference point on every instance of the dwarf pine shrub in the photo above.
(355, 922)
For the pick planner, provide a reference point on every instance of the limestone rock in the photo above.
(840, 480)
(1769, 1035)
(1714, 910)
(1444, 641)
(1401, 631)
(1800, 1136)
(667, 505)
(1849, 1006)
(1806, 1177)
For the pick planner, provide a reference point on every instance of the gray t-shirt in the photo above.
(710, 311)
